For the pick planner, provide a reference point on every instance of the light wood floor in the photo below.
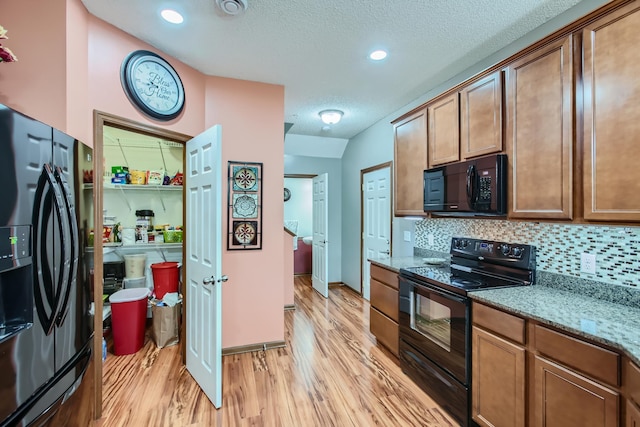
(331, 373)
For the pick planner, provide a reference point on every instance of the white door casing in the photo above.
(203, 184)
(376, 188)
(320, 256)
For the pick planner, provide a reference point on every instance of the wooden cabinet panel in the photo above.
(410, 160)
(595, 361)
(612, 116)
(505, 324)
(481, 117)
(498, 384)
(563, 398)
(444, 130)
(388, 277)
(632, 417)
(539, 139)
(385, 330)
(631, 375)
(384, 299)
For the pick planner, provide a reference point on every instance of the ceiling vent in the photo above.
(232, 7)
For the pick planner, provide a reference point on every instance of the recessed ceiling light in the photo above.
(378, 55)
(172, 16)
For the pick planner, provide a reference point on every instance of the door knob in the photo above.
(387, 252)
(208, 280)
(223, 278)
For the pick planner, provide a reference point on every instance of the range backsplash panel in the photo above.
(559, 246)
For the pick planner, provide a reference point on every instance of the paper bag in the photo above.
(166, 324)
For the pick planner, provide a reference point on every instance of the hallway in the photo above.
(331, 373)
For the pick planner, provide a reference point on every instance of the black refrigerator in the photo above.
(46, 317)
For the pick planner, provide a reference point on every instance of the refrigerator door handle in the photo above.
(71, 244)
(45, 279)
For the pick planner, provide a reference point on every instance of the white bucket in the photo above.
(134, 265)
(134, 282)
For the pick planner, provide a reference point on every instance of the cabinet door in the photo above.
(540, 133)
(498, 386)
(410, 162)
(444, 131)
(612, 116)
(481, 117)
(565, 398)
(632, 415)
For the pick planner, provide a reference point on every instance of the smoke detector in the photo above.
(232, 7)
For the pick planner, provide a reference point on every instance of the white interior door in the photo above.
(320, 267)
(376, 220)
(204, 261)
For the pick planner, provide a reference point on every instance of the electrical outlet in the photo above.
(588, 263)
(430, 239)
(407, 236)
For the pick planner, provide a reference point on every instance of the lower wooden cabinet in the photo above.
(383, 313)
(525, 373)
(565, 398)
(632, 418)
(498, 384)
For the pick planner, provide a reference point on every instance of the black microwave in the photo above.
(476, 187)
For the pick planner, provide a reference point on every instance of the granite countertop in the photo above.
(599, 320)
(615, 325)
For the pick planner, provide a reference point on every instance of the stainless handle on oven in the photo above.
(437, 291)
(412, 309)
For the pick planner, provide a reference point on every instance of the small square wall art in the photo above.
(244, 206)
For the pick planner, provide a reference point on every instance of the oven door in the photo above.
(436, 323)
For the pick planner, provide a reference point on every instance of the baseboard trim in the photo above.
(335, 284)
(289, 307)
(253, 347)
(349, 288)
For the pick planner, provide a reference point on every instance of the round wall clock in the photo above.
(152, 85)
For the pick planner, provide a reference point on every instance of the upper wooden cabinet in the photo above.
(444, 131)
(410, 155)
(539, 135)
(481, 117)
(612, 116)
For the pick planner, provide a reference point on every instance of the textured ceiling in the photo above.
(318, 49)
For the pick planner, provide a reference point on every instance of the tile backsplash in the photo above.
(559, 246)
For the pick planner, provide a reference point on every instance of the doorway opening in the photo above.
(298, 218)
(105, 127)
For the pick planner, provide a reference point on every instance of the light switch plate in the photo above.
(587, 263)
(407, 236)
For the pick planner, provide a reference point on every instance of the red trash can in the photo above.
(165, 278)
(128, 318)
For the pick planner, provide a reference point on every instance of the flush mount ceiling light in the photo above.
(378, 55)
(172, 16)
(232, 7)
(330, 117)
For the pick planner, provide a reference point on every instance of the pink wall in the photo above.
(69, 65)
(252, 119)
(36, 84)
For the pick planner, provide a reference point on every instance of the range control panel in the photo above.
(513, 254)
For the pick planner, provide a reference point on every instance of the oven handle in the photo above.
(436, 290)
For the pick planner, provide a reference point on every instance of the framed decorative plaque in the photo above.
(244, 210)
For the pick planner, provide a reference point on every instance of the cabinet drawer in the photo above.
(632, 381)
(385, 276)
(385, 330)
(595, 361)
(498, 321)
(384, 299)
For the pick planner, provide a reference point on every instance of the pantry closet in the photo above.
(139, 222)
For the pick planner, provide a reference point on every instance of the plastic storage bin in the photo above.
(134, 282)
(165, 278)
(134, 265)
(128, 317)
